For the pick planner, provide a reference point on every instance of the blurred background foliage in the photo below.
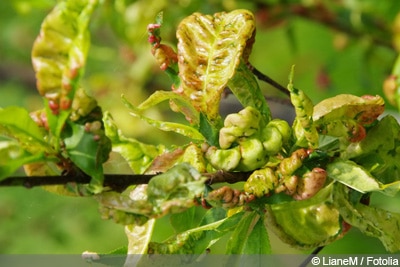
(338, 46)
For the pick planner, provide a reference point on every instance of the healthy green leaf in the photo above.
(250, 236)
(182, 129)
(184, 220)
(86, 153)
(210, 49)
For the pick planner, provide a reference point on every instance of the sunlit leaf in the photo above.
(365, 109)
(210, 49)
(352, 175)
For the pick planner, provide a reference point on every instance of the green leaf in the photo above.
(197, 240)
(179, 103)
(372, 221)
(85, 152)
(184, 220)
(176, 189)
(139, 156)
(245, 87)
(13, 157)
(138, 240)
(209, 130)
(59, 53)
(250, 236)
(364, 109)
(182, 129)
(352, 175)
(317, 218)
(16, 123)
(209, 50)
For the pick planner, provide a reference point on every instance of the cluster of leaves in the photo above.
(315, 175)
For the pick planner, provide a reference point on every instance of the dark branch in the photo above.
(116, 182)
(261, 76)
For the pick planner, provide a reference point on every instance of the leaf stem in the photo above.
(263, 77)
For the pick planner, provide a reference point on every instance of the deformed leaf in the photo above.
(364, 109)
(317, 218)
(59, 53)
(138, 239)
(372, 221)
(210, 49)
(195, 241)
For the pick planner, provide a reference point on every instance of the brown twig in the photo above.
(116, 182)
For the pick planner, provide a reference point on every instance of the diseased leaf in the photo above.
(317, 218)
(210, 49)
(138, 239)
(365, 109)
(59, 53)
(182, 129)
(372, 221)
(195, 241)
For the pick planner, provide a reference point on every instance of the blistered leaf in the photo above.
(303, 126)
(365, 109)
(138, 155)
(176, 189)
(59, 53)
(372, 221)
(182, 129)
(352, 175)
(195, 241)
(210, 49)
(317, 218)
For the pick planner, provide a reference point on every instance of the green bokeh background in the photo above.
(328, 62)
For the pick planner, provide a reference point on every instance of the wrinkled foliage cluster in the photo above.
(316, 174)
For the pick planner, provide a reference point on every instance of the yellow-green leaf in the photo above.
(209, 50)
